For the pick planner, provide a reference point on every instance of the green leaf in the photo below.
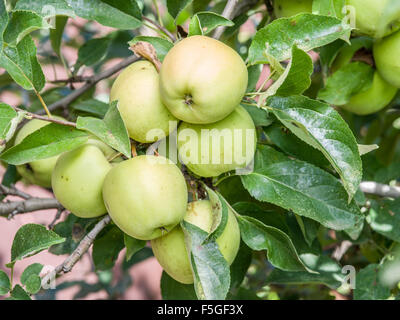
(384, 218)
(368, 286)
(307, 31)
(240, 265)
(3, 22)
(203, 23)
(8, 124)
(31, 270)
(320, 126)
(92, 52)
(21, 24)
(161, 46)
(349, 80)
(210, 269)
(111, 13)
(301, 187)
(31, 239)
(33, 284)
(22, 64)
(46, 8)
(174, 290)
(138, 257)
(5, 283)
(254, 73)
(18, 293)
(176, 6)
(110, 130)
(46, 142)
(329, 7)
(281, 252)
(261, 117)
(132, 246)
(106, 248)
(57, 33)
(94, 107)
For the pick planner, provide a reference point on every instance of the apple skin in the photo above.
(77, 180)
(386, 54)
(170, 249)
(239, 119)
(376, 18)
(288, 8)
(139, 102)
(146, 196)
(36, 172)
(202, 80)
(374, 99)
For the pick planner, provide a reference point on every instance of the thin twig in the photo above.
(380, 189)
(13, 191)
(36, 116)
(64, 102)
(56, 218)
(163, 29)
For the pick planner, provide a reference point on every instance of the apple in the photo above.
(212, 149)
(36, 172)
(77, 180)
(202, 80)
(374, 99)
(170, 249)
(376, 18)
(139, 102)
(386, 54)
(288, 8)
(146, 196)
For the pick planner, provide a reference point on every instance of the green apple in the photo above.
(386, 54)
(146, 196)
(376, 18)
(377, 97)
(202, 80)
(288, 8)
(36, 172)
(139, 102)
(77, 180)
(212, 149)
(170, 249)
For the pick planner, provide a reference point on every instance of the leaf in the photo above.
(161, 46)
(3, 22)
(176, 6)
(281, 252)
(21, 24)
(210, 269)
(57, 33)
(261, 117)
(301, 187)
(368, 286)
(349, 80)
(18, 293)
(5, 283)
(132, 246)
(384, 218)
(46, 142)
(111, 13)
(240, 265)
(92, 52)
(320, 126)
(8, 124)
(174, 290)
(254, 73)
(307, 31)
(94, 107)
(46, 8)
(22, 64)
(106, 248)
(364, 149)
(33, 269)
(203, 23)
(31, 239)
(329, 7)
(110, 130)
(138, 257)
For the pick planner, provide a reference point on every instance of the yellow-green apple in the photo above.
(77, 180)
(36, 172)
(212, 149)
(376, 18)
(137, 91)
(288, 8)
(146, 196)
(386, 54)
(170, 249)
(202, 80)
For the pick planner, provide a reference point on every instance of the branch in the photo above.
(227, 13)
(163, 29)
(11, 208)
(49, 119)
(83, 247)
(13, 191)
(90, 83)
(379, 189)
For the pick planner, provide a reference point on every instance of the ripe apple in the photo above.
(376, 18)
(288, 8)
(377, 97)
(77, 180)
(202, 80)
(386, 54)
(139, 102)
(146, 196)
(212, 149)
(170, 249)
(36, 172)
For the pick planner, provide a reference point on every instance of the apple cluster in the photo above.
(199, 87)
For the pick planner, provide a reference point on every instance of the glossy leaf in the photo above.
(384, 218)
(92, 52)
(161, 46)
(176, 6)
(202, 23)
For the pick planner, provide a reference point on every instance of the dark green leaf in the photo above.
(18, 293)
(368, 286)
(240, 265)
(92, 52)
(8, 124)
(261, 117)
(93, 107)
(33, 269)
(57, 33)
(4, 283)
(384, 218)
(176, 6)
(203, 23)
(132, 246)
(174, 290)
